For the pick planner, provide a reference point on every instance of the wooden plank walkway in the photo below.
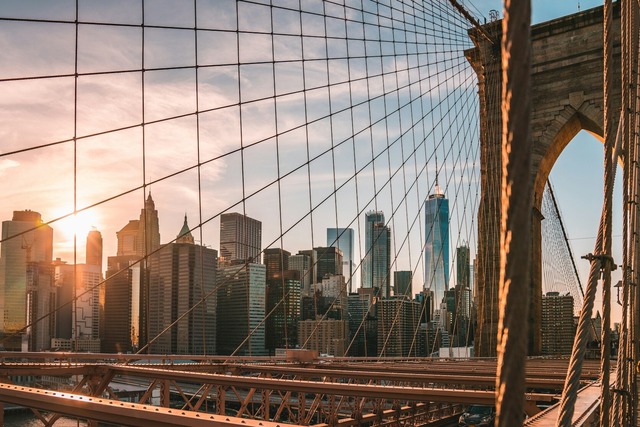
(587, 405)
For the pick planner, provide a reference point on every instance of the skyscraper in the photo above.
(302, 264)
(124, 298)
(436, 251)
(16, 253)
(362, 314)
(398, 321)
(241, 309)
(149, 228)
(313, 270)
(94, 249)
(342, 238)
(463, 266)
(462, 325)
(181, 275)
(558, 331)
(283, 308)
(402, 283)
(121, 302)
(282, 300)
(78, 329)
(128, 239)
(240, 239)
(329, 261)
(376, 265)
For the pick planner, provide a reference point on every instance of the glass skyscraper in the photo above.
(342, 238)
(25, 240)
(436, 250)
(376, 264)
(240, 239)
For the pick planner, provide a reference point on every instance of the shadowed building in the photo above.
(329, 262)
(402, 283)
(77, 324)
(241, 309)
(342, 238)
(182, 279)
(124, 297)
(282, 300)
(376, 264)
(302, 264)
(362, 323)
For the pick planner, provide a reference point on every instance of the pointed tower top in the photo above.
(185, 235)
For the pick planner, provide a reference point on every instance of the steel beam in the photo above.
(122, 413)
(420, 394)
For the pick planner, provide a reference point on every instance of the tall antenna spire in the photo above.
(437, 170)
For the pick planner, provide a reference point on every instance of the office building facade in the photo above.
(376, 264)
(33, 243)
(436, 251)
(558, 329)
(342, 238)
(402, 281)
(182, 298)
(240, 239)
(241, 306)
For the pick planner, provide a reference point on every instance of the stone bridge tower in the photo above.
(567, 96)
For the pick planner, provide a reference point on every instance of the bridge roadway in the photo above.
(323, 391)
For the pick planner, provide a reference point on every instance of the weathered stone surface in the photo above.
(567, 96)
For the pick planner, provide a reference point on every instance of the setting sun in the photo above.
(79, 225)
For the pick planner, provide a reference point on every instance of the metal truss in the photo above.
(324, 392)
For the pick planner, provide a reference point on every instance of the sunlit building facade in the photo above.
(398, 321)
(79, 321)
(327, 336)
(34, 246)
(558, 330)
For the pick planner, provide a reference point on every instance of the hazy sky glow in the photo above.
(254, 95)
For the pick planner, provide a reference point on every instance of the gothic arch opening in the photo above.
(576, 175)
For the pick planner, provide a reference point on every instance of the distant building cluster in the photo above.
(184, 298)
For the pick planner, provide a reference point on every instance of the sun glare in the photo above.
(79, 225)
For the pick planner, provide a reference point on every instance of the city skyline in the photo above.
(176, 195)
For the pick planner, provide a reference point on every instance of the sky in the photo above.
(111, 166)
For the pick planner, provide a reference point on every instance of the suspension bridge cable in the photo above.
(445, 112)
(515, 235)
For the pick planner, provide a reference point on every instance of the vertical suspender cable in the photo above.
(517, 200)
(572, 381)
(606, 243)
(634, 301)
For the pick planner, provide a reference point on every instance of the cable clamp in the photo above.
(604, 260)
